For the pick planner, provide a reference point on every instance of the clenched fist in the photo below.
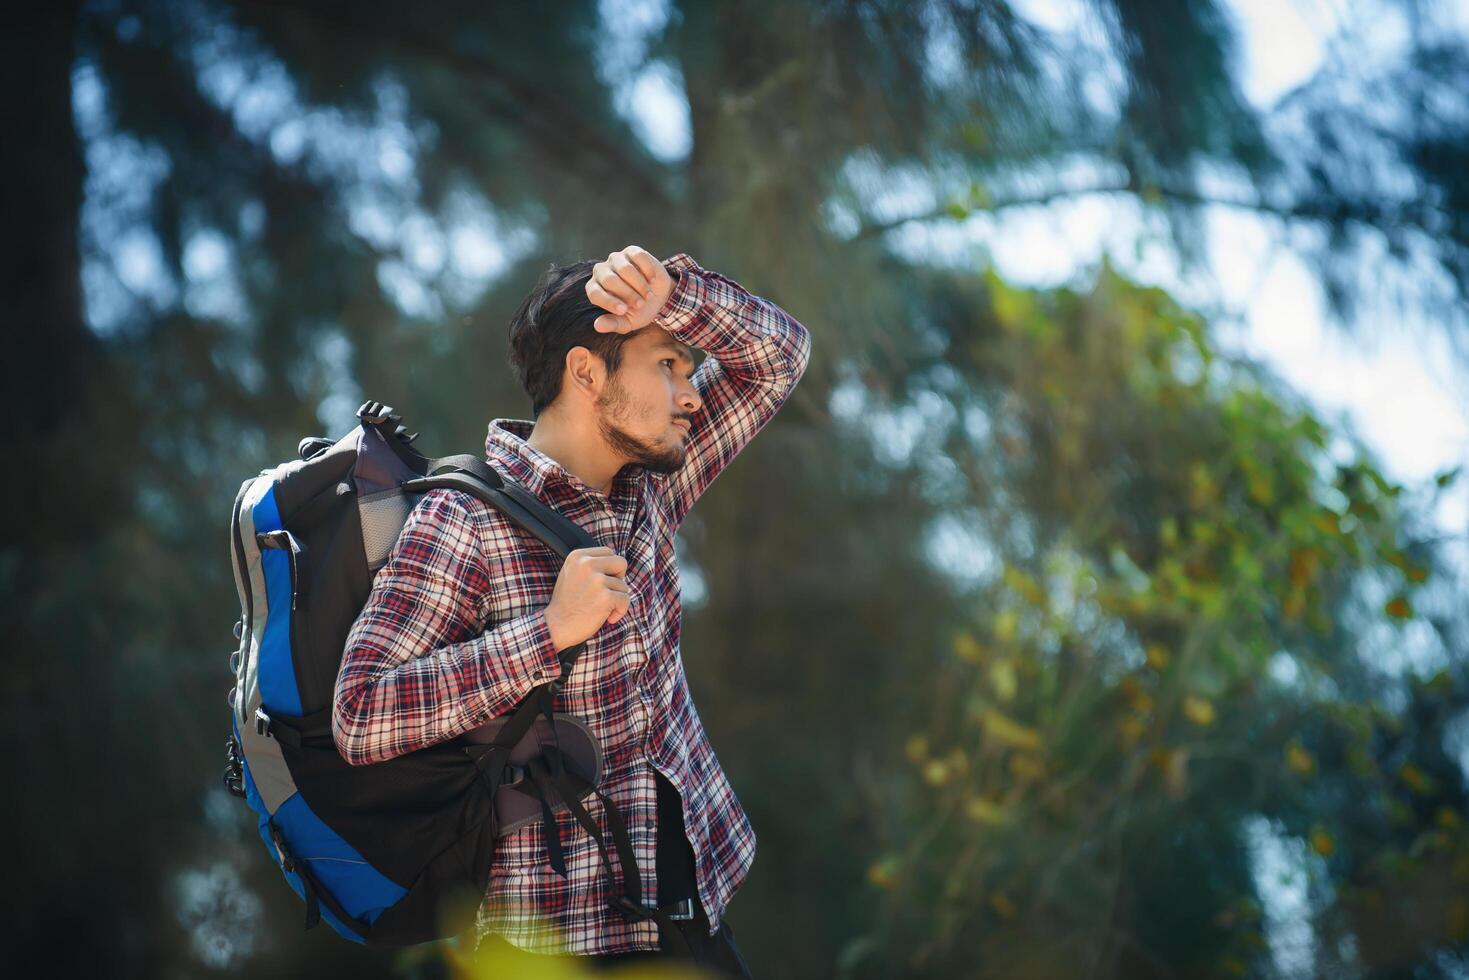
(590, 590)
(632, 286)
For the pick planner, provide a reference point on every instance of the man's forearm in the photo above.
(386, 706)
(753, 339)
(757, 352)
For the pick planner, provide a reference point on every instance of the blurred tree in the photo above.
(1176, 657)
(244, 218)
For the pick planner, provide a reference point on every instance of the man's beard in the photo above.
(658, 458)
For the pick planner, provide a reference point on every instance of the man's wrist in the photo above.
(558, 639)
(686, 299)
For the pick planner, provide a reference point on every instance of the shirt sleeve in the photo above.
(756, 352)
(405, 682)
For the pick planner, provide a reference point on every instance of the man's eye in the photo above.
(669, 362)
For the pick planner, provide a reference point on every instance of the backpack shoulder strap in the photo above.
(480, 480)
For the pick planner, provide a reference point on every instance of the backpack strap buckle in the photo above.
(277, 729)
(376, 413)
(282, 851)
(681, 911)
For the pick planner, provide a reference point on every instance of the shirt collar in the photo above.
(534, 470)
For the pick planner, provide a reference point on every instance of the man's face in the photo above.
(641, 410)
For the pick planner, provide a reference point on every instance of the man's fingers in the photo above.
(624, 285)
(649, 266)
(598, 294)
(607, 323)
(613, 283)
(630, 274)
(612, 564)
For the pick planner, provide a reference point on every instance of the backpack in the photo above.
(389, 853)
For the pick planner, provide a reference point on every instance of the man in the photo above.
(470, 611)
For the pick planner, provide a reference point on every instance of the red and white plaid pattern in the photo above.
(454, 633)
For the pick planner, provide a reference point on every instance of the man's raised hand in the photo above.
(632, 286)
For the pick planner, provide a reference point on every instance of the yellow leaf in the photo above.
(1158, 656)
(1001, 903)
(981, 810)
(883, 873)
(1023, 584)
(967, 648)
(916, 748)
(1202, 489)
(497, 958)
(1026, 767)
(936, 772)
(1010, 305)
(1303, 565)
(1299, 759)
(1003, 679)
(1416, 779)
(1007, 622)
(1199, 710)
(1322, 843)
(1168, 531)
(1399, 607)
(1009, 731)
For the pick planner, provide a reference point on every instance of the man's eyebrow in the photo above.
(682, 350)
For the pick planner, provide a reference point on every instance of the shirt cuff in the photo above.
(689, 296)
(526, 657)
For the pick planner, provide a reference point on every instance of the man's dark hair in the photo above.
(555, 317)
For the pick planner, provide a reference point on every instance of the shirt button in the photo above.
(537, 675)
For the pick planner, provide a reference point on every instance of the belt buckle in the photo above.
(683, 911)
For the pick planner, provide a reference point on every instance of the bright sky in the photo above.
(1401, 394)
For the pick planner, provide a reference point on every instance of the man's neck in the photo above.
(579, 451)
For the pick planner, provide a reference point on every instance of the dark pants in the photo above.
(717, 953)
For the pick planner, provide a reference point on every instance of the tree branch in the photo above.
(567, 139)
(1361, 211)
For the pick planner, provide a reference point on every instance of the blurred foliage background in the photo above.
(1038, 634)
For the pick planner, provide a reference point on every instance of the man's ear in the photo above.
(585, 370)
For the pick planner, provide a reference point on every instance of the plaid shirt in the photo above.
(454, 633)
